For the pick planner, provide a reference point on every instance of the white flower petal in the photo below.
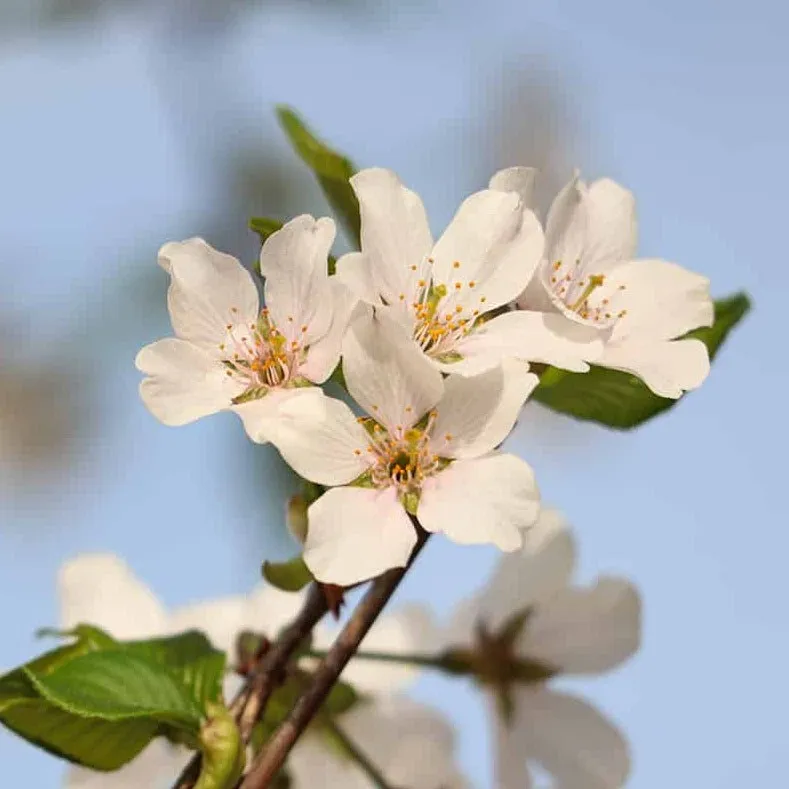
(209, 289)
(353, 270)
(476, 414)
(533, 575)
(320, 439)
(486, 500)
(294, 261)
(185, 383)
(395, 235)
(356, 534)
(520, 180)
(484, 222)
(565, 227)
(663, 300)
(155, 768)
(269, 609)
(324, 355)
(511, 266)
(410, 744)
(510, 765)
(543, 337)
(265, 414)
(570, 739)
(386, 373)
(408, 630)
(221, 620)
(667, 368)
(586, 630)
(100, 589)
(612, 230)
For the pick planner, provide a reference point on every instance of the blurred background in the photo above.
(127, 123)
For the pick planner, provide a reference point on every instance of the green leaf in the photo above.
(115, 685)
(332, 169)
(289, 576)
(265, 226)
(95, 708)
(340, 699)
(620, 400)
(89, 637)
(191, 658)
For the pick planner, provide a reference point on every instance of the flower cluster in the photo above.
(435, 341)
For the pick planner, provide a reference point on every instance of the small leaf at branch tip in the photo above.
(290, 576)
(223, 750)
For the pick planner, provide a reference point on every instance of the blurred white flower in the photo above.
(426, 449)
(228, 354)
(529, 624)
(409, 743)
(441, 293)
(590, 277)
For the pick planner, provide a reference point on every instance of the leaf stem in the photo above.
(270, 759)
(425, 661)
(369, 769)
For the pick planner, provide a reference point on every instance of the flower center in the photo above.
(588, 295)
(403, 457)
(444, 314)
(260, 356)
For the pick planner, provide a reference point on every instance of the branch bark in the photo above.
(271, 758)
(251, 700)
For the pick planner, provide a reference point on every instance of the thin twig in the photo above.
(405, 659)
(370, 770)
(251, 700)
(271, 758)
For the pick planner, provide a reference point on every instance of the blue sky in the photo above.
(685, 103)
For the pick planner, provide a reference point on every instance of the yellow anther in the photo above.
(456, 264)
(472, 283)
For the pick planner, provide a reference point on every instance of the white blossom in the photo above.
(564, 629)
(443, 294)
(425, 448)
(227, 353)
(589, 277)
(411, 744)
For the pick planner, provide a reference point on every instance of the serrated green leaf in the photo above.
(114, 685)
(90, 742)
(98, 709)
(620, 400)
(191, 658)
(332, 169)
(290, 576)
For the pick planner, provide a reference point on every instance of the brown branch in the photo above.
(271, 758)
(251, 700)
